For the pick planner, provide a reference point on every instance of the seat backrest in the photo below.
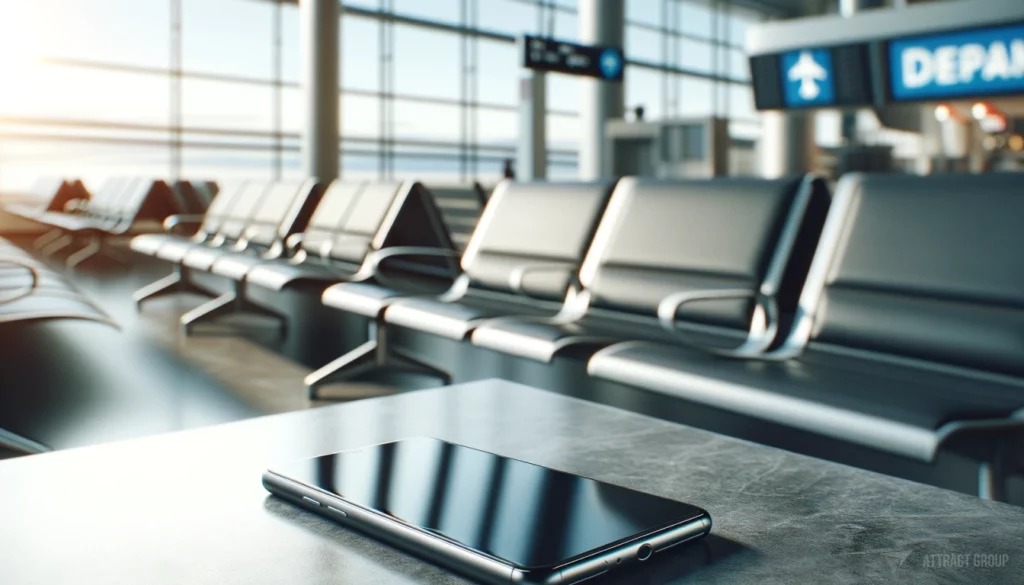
(927, 268)
(194, 196)
(460, 205)
(105, 200)
(278, 211)
(661, 237)
(534, 224)
(146, 199)
(360, 228)
(238, 216)
(329, 216)
(220, 206)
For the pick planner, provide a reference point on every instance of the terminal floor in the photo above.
(149, 378)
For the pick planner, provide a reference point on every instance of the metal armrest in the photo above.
(75, 205)
(515, 279)
(371, 264)
(763, 326)
(31, 287)
(173, 221)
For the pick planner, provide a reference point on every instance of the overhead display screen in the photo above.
(562, 57)
(808, 78)
(950, 65)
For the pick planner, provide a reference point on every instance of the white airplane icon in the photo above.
(808, 72)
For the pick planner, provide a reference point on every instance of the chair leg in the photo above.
(221, 305)
(230, 302)
(174, 282)
(406, 362)
(353, 363)
(992, 479)
(375, 354)
(57, 245)
(93, 248)
(13, 442)
(47, 238)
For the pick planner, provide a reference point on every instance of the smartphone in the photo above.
(493, 519)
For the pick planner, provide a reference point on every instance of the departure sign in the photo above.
(971, 63)
(561, 57)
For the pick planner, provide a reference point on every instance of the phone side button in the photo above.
(337, 511)
(312, 501)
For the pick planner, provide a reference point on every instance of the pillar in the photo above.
(787, 144)
(602, 22)
(532, 153)
(320, 36)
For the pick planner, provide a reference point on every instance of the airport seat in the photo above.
(461, 205)
(518, 261)
(194, 196)
(224, 222)
(46, 194)
(30, 291)
(907, 333)
(111, 211)
(352, 223)
(284, 209)
(705, 264)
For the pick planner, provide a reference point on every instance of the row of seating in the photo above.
(887, 316)
(74, 214)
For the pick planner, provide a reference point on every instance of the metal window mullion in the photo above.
(176, 118)
(278, 105)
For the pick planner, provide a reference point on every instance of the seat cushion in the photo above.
(175, 251)
(276, 275)
(236, 265)
(541, 340)
(149, 244)
(202, 257)
(894, 408)
(361, 298)
(37, 306)
(455, 320)
(370, 299)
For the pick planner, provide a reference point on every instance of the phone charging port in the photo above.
(644, 552)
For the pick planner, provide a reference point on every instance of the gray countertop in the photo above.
(188, 507)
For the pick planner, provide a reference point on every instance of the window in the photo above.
(643, 44)
(360, 116)
(563, 132)
(447, 11)
(694, 96)
(643, 87)
(498, 81)
(291, 50)
(436, 75)
(695, 18)
(425, 121)
(228, 105)
(644, 11)
(696, 56)
(227, 37)
(563, 92)
(360, 53)
(507, 16)
(741, 102)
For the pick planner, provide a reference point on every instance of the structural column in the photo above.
(602, 22)
(787, 144)
(532, 155)
(320, 38)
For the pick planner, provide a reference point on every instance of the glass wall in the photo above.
(210, 88)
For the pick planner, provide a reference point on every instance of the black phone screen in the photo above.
(529, 516)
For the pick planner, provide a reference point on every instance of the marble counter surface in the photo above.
(189, 508)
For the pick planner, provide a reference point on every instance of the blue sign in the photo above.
(807, 78)
(611, 64)
(977, 62)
